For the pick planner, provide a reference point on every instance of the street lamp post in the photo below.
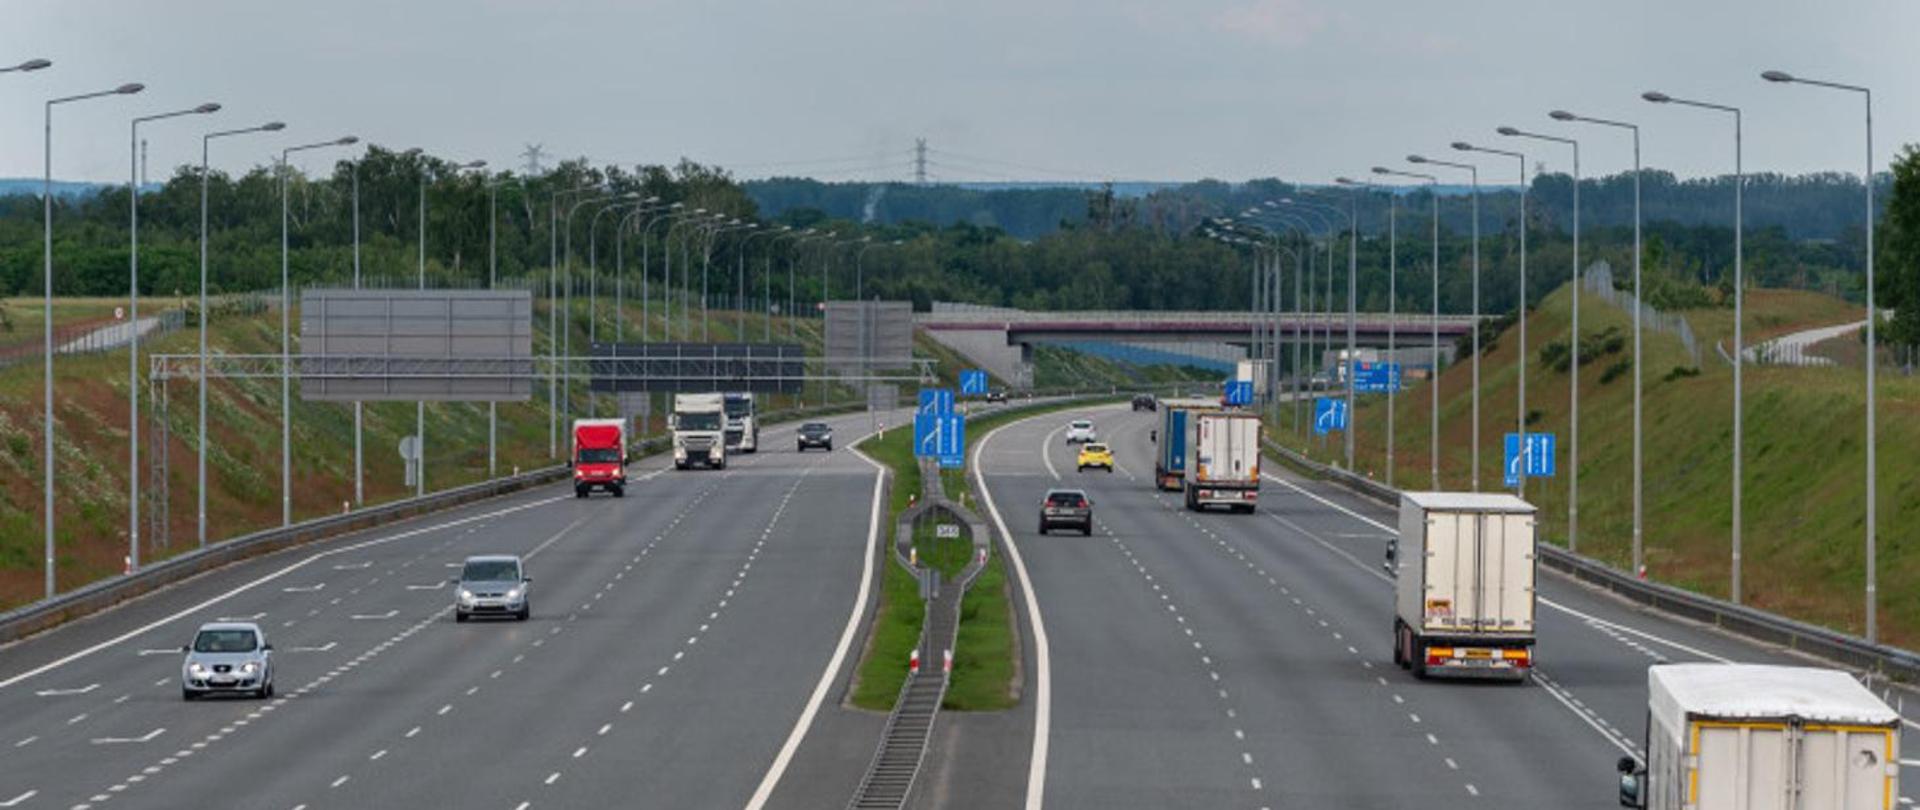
(668, 214)
(1356, 188)
(133, 327)
(1302, 266)
(1474, 171)
(1573, 374)
(205, 315)
(420, 407)
(1520, 418)
(1739, 295)
(1433, 192)
(46, 198)
(286, 333)
(1873, 315)
(553, 313)
(1327, 224)
(1639, 549)
(707, 243)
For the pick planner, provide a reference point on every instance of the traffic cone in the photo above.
(946, 663)
(913, 662)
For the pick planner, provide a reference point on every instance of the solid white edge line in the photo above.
(771, 780)
(1043, 666)
(1045, 456)
(243, 588)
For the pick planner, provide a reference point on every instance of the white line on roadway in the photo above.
(1043, 666)
(20, 798)
(1046, 456)
(114, 740)
(211, 601)
(375, 616)
(800, 727)
(64, 692)
(304, 588)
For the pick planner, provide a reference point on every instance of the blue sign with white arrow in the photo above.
(1329, 415)
(1531, 458)
(1238, 392)
(936, 401)
(941, 436)
(973, 382)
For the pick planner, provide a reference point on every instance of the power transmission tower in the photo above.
(533, 153)
(920, 161)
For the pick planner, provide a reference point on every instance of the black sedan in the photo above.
(815, 434)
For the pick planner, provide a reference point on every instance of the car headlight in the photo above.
(466, 595)
(249, 668)
(513, 594)
(579, 473)
(197, 668)
(714, 453)
(679, 452)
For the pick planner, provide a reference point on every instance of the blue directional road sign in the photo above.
(973, 383)
(937, 401)
(1375, 378)
(1531, 459)
(1238, 392)
(941, 436)
(1329, 415)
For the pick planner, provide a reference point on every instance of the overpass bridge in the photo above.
(1001, 340)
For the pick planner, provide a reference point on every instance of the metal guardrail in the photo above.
(99, 595)
(1885, 661)
(1413, 320)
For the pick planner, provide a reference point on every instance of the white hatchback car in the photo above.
(1081, 431)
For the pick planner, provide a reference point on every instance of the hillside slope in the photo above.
(1804, 505)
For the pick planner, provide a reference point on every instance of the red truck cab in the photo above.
(599, 457)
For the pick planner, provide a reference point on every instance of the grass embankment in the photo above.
(1805, 467)
(984, 650)
(244, 449)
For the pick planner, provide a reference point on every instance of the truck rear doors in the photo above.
(1479, 573)
(1787, 765)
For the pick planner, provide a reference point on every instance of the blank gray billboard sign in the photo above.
(887, 342)
(408, 345)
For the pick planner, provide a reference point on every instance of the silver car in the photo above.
(492, 585)
(227, 657)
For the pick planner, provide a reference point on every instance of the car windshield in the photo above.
(225, 641)
(600, 455)
(813, 427)
(491, 571)
(1083, 425)
(700, 421)
(1066, 499)
(1096, 448)
(739, 407)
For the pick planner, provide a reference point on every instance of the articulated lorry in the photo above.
(743, 427)
(599, 456)
(1170, 440)
(1465, 585)
(1758, 737)
(1223, 459)
(699, 424)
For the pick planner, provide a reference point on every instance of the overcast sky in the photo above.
(1040, 89)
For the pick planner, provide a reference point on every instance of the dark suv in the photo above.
(997, 395)
(1145, 402)
(815, 434)
(1066, 508)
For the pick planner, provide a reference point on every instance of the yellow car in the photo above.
(1095, 455)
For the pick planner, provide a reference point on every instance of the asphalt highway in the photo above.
(1232, 660)
(679, 636)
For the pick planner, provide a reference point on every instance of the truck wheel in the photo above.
(579, 492)
(1399, 645)
(1417, 656)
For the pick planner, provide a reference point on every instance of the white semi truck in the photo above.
(1757, 737)
(1464, 587)
(699, 424)
(1223, 459)
(743, 426)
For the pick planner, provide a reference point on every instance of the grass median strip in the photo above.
(983, 665)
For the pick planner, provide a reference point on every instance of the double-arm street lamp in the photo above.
(1519, 418)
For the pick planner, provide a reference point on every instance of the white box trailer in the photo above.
(1223, 459)
(1464, 591)
(1757, 737)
